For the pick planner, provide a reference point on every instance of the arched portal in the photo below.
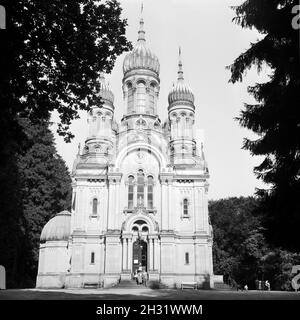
(139, 255)
(139, 244)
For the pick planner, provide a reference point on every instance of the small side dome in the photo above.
(103, 90)
(181, 91)
(58, 228)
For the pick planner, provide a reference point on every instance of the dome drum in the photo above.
(141, 72)
(177, 106)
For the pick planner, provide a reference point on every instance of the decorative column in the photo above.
(145, 193)
(197, 211)
(170, 220)
(110, 211)
(156, 254)
(196, 258)
(124, 249)
(150, 253)
(117, 225)
(134, 194)
(153, 254)
(149, 256)
(164, 205)
(125, 256)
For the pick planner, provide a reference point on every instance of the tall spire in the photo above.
(180, 71)
(141, 32)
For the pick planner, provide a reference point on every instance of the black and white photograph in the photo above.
(150, 150)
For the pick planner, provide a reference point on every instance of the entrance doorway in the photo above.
(139, 256)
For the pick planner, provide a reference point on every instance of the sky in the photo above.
(209, 42)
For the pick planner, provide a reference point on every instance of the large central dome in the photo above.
(141, 57)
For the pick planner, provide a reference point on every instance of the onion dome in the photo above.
(181, 91)
(104, 91)
(141, 57)
(58, 228)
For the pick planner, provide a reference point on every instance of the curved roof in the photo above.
(141, 57)
(58, 228)
(181, 91)
(104, 91)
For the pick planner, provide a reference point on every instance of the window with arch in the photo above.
(150, 192)
(145, 229)
(141, 96)
(95, 207)
(92, 257)
(130, 192)
(187, 126)
(135, 229)
(130, 97)
(140, 187)
(185, 207)
(187, 258)
(152, 97)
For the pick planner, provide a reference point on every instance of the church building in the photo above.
(139, 190)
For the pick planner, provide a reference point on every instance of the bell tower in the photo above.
(181, 115)
(140, 82)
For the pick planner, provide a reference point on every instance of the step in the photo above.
(127, 284)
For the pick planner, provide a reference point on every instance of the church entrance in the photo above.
(139, 256)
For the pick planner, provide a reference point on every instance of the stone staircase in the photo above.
(127, 284)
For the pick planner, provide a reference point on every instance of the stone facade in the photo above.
(139, 191)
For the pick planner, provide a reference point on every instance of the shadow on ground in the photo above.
(143, 294)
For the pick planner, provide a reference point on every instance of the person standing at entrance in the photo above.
(139, 277)
(144, 277)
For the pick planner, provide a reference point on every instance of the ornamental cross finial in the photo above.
(180, 71)
(141, 32)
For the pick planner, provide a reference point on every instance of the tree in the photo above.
(51, 54)
(44, 189)
(240, 251)
(276, 116)
(238, 242)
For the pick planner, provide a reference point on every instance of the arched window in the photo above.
(187, 258)
(150, 192)
(92, 257)
(187, 126)
(141, 97)
(135, 229)
(152, 97)
(185, 207)
(145, 229)
(130, 97)
(95, 206)
(140, 187)
(130, 192)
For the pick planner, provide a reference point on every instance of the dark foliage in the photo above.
(51, 54)
(41, 188)
(240, 251)
(276, 116)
